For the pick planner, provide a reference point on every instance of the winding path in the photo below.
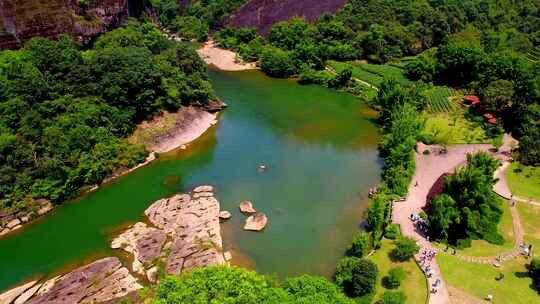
(429, 168)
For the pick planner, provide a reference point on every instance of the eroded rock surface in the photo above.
(256, 222)
(247, 207)
(145, 243)
(101, 281)
(187, 234)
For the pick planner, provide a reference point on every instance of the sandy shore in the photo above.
(223, 59)
(170, 131)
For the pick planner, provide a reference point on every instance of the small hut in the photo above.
(471, 100)
(490, 118)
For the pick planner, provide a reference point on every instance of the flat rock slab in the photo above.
(256, 222)
(247, 207)
(10, 295)
(101, 281)
(143, 242)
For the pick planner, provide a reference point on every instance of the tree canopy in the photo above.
(468, 208)
(64, 111)
(219, 284)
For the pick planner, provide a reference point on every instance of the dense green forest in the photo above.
(64, 110)
(488, 48)
(194, 19)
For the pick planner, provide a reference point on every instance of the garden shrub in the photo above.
(393, 297)
(405, 249)
(360, 245)
(394, 278)
(392, 231)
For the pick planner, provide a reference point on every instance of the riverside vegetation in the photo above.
(487, 43)
(65, 110)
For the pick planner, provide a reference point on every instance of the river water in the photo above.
(320, 147)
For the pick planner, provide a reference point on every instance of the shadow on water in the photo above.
(321, 151)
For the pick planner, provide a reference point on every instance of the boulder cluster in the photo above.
(183, 233)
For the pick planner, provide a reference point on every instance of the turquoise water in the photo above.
(321, 151)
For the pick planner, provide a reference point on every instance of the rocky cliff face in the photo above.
(262, 14)
(21, 20)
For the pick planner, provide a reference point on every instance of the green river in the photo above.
(320, 147)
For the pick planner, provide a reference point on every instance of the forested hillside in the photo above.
(488, 48)
(65, 111)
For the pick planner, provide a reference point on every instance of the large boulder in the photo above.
(225, 215)
(256, 222)
(247, 207)
(192, 222)
(101, 281)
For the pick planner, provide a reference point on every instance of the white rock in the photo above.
(13, 223)
(151, 274)
(205, 188)
(10, 295)
(247, 207)
(4, 231)
(256, 222)
(27, 294)
(227, 255)
(225, 215)
(203, 194)
(138, 267)
(46, 287)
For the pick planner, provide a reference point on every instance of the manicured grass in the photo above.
(414, 285)
(530, 215)
(479, 280)
(373, 74)
(454, 128)
(481, 248)
(524, 181)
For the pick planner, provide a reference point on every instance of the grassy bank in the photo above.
(524, 181)
(479, 280)
(414, 285)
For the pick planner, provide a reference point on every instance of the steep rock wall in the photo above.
(262, 14)
(21, 20)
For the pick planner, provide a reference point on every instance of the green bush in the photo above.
(360, 246)
(405, 249)
(394, 278)
(357, 277)
(393, 297)
(393, 231)
(277, 63)
(464, 243)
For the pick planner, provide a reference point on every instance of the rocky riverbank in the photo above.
(163, 133)
(169, 131)
(184, 233)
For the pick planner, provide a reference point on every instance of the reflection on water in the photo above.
(320, 149)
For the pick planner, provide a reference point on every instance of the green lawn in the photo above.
(524, 181)
(454, 128)
(479, 280)
(373, 74)
(481, 248)
(414, 284)
(530, 215)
